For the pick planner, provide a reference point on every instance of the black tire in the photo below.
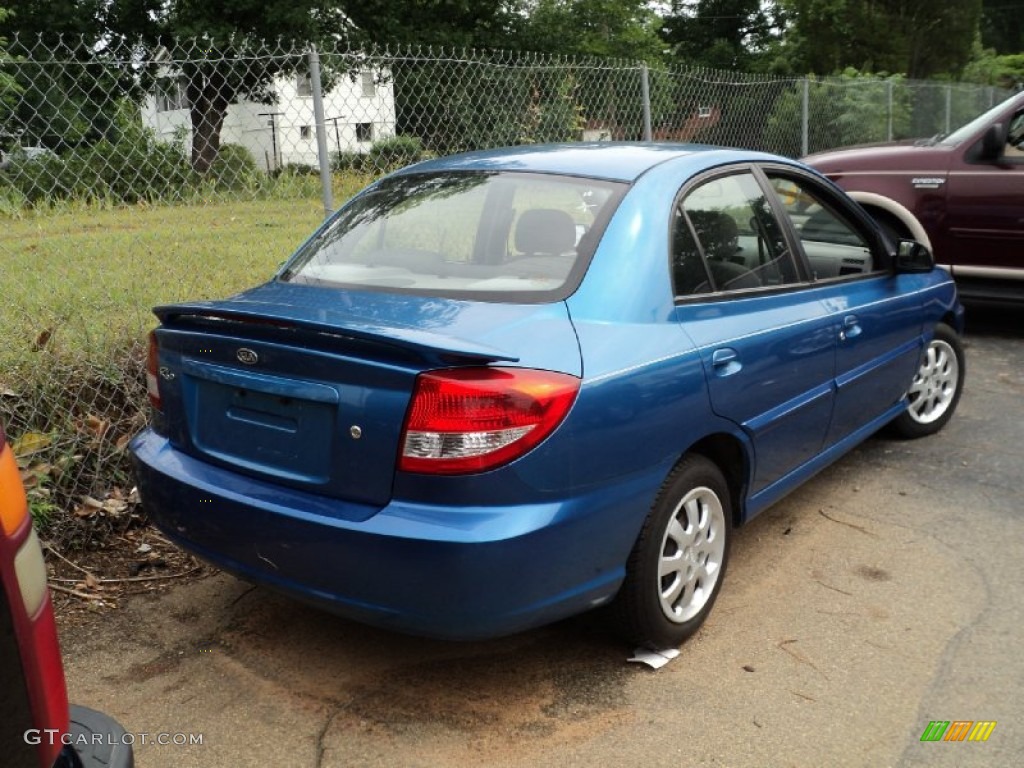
(935, 390)
(655, 609)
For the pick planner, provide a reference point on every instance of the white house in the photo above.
(359, 110)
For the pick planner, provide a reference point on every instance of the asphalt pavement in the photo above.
(884, 595)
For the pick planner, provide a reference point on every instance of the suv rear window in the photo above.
(497, 236)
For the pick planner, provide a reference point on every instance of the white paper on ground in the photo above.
(654, 659)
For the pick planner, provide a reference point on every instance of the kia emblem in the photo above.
(247, 356)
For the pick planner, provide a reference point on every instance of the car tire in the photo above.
(675, 570)
(935, 390)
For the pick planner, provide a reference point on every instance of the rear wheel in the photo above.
(935, 390)
(677, 565)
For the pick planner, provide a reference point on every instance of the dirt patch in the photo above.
(870, 573)
(96, 580)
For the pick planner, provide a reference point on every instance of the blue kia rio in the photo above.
(504, 387)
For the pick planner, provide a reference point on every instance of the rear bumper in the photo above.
(449, 572)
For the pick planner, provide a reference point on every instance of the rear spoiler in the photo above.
(431, 346)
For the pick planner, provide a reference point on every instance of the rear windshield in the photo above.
(498, 236)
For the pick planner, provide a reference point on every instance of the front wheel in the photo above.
(675, 571)
(935, 390)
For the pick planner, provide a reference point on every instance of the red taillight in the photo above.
(45, 676)
(23, 592)
(153, 372)
(473, 419)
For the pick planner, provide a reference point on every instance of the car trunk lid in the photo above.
(308, 387)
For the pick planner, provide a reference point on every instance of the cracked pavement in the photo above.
(886, 593)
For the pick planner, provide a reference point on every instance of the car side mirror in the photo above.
(912, 256)
(993, 143)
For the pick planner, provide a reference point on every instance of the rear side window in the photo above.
(834, 245)
(726, 238)
(503, 236)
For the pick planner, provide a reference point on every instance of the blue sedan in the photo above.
(501, 388)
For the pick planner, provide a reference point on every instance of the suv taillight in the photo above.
(153, 372)
(24, 595)
(473, 419)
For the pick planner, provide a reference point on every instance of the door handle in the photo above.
(726, 361)
(850, 329)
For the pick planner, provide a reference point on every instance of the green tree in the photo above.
(989, 69)
(626, 29)
(483, 100)
(10, 90)
(852, 108)
(448, 23)
(68, 85)
(1002, 26)
(589, 30)
(921, 38)
(722, 34)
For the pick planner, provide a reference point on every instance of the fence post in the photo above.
(949, 109)
(645, 94)
(321, 131)
(888, 98)
(805, 110)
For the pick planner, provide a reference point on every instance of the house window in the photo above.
(305, 132)
(303, 85)
(703, 112)
(368, 84)
(171, 95)
(364, 131)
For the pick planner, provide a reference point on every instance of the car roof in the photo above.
(613, 161)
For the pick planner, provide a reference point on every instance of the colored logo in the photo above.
(958, 730)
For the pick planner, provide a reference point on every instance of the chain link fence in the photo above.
(133, 176)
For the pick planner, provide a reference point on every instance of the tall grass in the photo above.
(78, 281)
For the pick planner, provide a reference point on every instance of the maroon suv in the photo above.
(962, 195)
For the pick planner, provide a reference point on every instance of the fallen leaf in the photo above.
(95, 427)
(89, 501)
(42, 339)
(92, 582)
(35, 474)
(114, 507)
(30, 442)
